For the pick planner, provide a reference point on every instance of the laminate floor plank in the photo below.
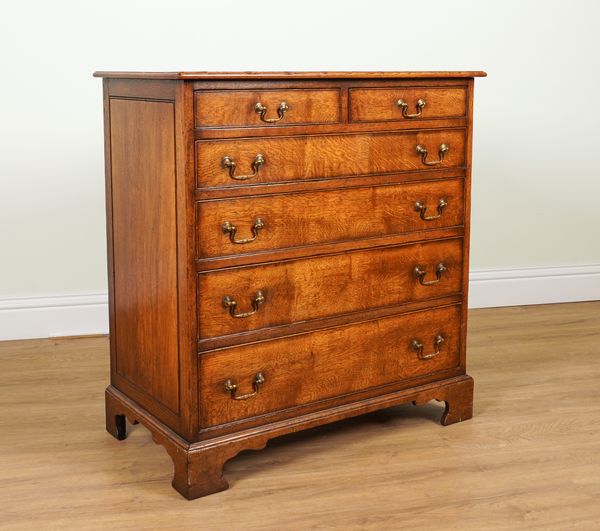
(529, 459)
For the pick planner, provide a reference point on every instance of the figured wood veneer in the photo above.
(308, 218)
(323, 364)
(380, 104)
(316, 157)
(331, 281)
(236, 108)
(310, 288)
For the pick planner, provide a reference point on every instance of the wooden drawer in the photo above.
(382, 104)
(326, 363)
(293, 220)
(266, 160)
(238, 108)
(321, 286)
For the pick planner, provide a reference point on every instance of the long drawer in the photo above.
(250, 380)
(246, 225)
(225, 163)
(247, 298)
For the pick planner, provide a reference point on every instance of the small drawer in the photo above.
(241, 299)
(266, 108)
(246, 381)
(225, 163)
(281, 221)
(407, 104)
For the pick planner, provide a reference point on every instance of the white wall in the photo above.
(536, 176)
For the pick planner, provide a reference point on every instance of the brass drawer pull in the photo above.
(261, 110)
(231, 229)
(418, 346)
(439, 270)
(231, 304)
(421, 208)
(231, 386)
(422, 150)
(230, 164)
(404, 106)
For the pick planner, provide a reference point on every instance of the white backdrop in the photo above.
(536, 178)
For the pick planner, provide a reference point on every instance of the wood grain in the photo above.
(152, 89)
(467, 240)
(324, 364)
(349, 276)
(332, 183)
(144, 239)
(380, 104)
(261, 334)
(527, 459)
(320, 156)
(308, 289)
(292, 75)
(235, 108)
(309, 218)
(186, 244)
(344, 88)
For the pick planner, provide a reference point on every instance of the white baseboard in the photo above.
(87, 313)
(534, 285)
(54, 316)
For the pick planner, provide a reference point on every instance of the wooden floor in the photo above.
(529, 459)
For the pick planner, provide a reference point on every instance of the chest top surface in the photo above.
(290, 75)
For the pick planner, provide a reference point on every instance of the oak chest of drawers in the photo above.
(285, 250)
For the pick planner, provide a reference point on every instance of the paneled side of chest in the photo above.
(283, 253)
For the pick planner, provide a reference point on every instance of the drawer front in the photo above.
(327, 363)
(271, 108)
(406, 104)
(310, 288)
(265, 160)
(237, 226)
